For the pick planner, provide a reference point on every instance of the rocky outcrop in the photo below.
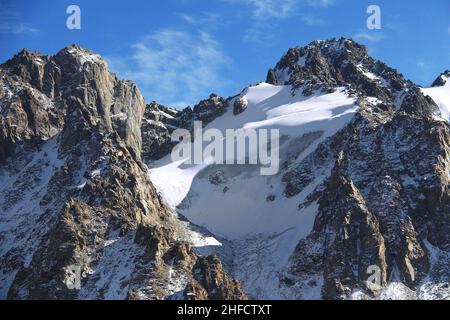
(40, 91)
(209, 109)
(348, 237)
(271, 77)
(239, 106)
(442, 79)
(212, 283)
(157, 125)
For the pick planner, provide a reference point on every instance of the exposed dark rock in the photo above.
(217, 177)
(210, 276)
(160, 121)
(271, 77)
(157, 126)
(239, 106)
(442, 79)
(209, 109)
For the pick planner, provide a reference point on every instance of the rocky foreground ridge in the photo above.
(74, 191)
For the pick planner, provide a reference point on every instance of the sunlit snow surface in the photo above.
(271, 107)
(441, 95)
(262, 234)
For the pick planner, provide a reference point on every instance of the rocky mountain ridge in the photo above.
(74, 191)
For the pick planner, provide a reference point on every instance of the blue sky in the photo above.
(179, 51)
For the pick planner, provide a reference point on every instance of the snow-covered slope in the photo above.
(441, 95)
(249, 210)
(243, 208)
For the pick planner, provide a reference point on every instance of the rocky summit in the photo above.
(87, 183)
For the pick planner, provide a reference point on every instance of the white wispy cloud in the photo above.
(259, 33)
(10, 20)
(369, 36)
(203, 19)
(268, 9)
(173, 66)
(278, 9)
(421, 64)
(15, 28)
(266, 13)
(24, 29)
(312, 20)
(320, 3)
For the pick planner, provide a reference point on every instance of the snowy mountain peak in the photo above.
(327, 65)
(81, 55)
(31, 62)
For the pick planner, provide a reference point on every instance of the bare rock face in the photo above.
(74, 194)
(40, 91)
(209, 109)
(160, 122)
(210, 278)
(348, 239)
(442, 79)
(157, 125)
(239, 106)
(271, 77)
(383, 167)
